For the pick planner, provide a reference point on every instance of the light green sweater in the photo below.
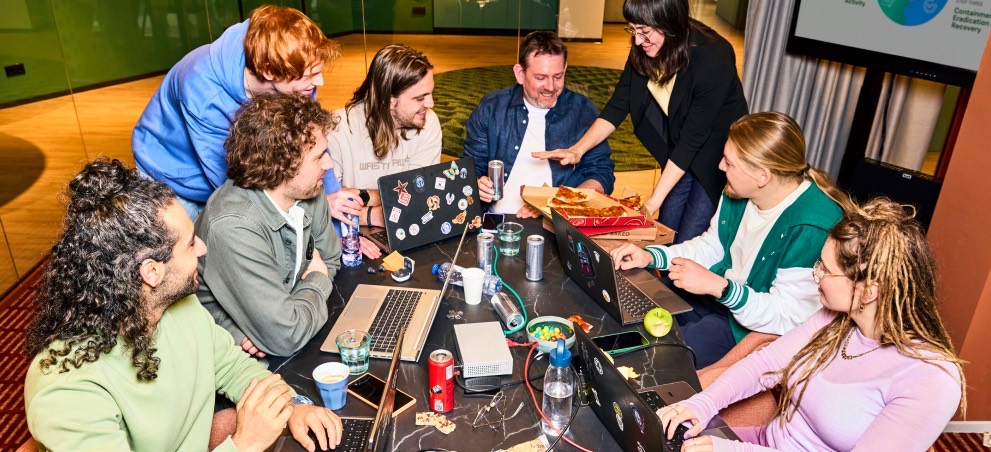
(103, 405)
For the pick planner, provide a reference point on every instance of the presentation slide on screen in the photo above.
(951, 32)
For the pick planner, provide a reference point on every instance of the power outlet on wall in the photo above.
(14, 70)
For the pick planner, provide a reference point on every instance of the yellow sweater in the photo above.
(103, 405)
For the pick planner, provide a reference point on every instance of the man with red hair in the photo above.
(179, 138)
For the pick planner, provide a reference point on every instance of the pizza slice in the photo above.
(611, 211)
(634, 202)
(570, 196)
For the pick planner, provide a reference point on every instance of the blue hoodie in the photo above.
(179, 138)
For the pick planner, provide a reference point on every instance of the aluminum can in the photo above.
(441, 381)
(535, 257)
(507, 310)
(496, 171)
(486, 251)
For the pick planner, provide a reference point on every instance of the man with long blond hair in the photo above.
(388, 126)
(873, 370)
(751, 271)
(179, 138)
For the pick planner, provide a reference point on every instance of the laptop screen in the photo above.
(377, 437)
(628, 418)
(424, 205)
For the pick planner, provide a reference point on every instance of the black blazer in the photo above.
(707, 97)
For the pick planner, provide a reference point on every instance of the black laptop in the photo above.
(425, 205)
(626, 295)
(630, 414)
(361, 434)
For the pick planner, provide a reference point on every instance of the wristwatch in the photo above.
(300, 400)
(363, 194)
(725, 291)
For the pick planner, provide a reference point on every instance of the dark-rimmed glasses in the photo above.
(643, 36)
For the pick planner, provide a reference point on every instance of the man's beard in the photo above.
(410, 122)
(732, 194)
(300, 193)
(176, 290)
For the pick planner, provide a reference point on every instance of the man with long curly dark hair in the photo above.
(123, 357)
(273, 250)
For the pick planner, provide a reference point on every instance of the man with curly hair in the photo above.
(273, 250)
(124, 358)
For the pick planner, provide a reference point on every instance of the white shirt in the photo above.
(526, 169)
(753, 229)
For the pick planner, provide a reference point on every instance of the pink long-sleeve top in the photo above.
(882, 400)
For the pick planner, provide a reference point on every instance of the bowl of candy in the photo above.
(549, 329)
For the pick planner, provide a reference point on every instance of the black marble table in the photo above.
(556, 295)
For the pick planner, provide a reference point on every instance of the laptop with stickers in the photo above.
(630, 414)
(425, 205)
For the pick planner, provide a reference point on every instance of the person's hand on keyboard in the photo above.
(324, 424)
(630, 256)
(672, 417)
(262, 413)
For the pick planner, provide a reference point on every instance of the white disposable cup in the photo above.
(473, 278)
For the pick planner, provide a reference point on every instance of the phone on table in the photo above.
(621, 342)
(491, 220)
(369, 389)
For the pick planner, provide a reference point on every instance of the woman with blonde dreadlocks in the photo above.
(873, 370)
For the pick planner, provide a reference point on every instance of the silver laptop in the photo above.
(383, 311)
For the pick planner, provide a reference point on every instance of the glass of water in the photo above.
(509, 234)
(353, 345)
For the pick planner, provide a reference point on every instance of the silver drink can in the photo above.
(507, 310)
(486, 251)
(496, 171)
(535, 257)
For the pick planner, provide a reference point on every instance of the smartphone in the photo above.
(620, 342)
(369, 389)
(491, 220)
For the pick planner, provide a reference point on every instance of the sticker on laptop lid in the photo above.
(464, 173)
(460, 219)
(595, 396)
(433, 202)
(400, 187)
(394, 214)
(450, 198)
(400, 234)
(470, 200)
(638, 417)
(445, 228)
(414, 229)
(419, 183)
(477, 222)
(452, 172)
(404, 198)
(462, 204)
(619, 415)
(605, 296)
(467, 190)
(598, 365)
(440, 183)
(596, 255)
(426, 217)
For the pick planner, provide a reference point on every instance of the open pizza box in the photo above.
(633, 225)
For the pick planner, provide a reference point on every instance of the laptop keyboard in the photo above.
(355, 435)
(395, 313)
(380, 235)
(655, 403)
(632, 300)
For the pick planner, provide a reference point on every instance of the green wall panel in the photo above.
(397, 16)
(333, 16)
(496, 14)
(28, 36)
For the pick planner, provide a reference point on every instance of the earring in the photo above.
(862, 306)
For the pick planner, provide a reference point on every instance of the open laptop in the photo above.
(383, 310)
(361, 433)
(425, 205)
(626, 295)
(629, 414)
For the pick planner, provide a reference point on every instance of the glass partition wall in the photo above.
(78, 74)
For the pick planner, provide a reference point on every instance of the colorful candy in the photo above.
(551, 332)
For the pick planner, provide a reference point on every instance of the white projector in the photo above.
(483, 349)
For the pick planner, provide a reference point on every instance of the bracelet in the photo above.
(300, 400)
(368, 217)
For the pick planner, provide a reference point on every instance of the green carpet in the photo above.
(457, 93)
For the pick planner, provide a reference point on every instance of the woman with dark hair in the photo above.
(681, 90)
(873, 370)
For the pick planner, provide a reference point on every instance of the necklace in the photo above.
(847, 342)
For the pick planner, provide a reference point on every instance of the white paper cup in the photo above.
(473, 278)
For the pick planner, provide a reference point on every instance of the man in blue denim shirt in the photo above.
(534, 115)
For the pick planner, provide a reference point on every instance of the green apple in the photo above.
(658, 322)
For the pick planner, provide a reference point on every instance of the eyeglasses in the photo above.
(643, 36)
(819, 272)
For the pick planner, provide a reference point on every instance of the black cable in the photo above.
(564, 430)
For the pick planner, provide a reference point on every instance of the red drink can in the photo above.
(441, 381)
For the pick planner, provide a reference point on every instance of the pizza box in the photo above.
(537, 197)
(653, 233)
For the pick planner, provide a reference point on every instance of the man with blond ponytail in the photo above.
(873, 370)
(752, 269)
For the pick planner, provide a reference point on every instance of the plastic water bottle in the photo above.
(559, 388)
(350, 242)
(490, 285)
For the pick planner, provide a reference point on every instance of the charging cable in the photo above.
(495, 270)
(533, 397)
